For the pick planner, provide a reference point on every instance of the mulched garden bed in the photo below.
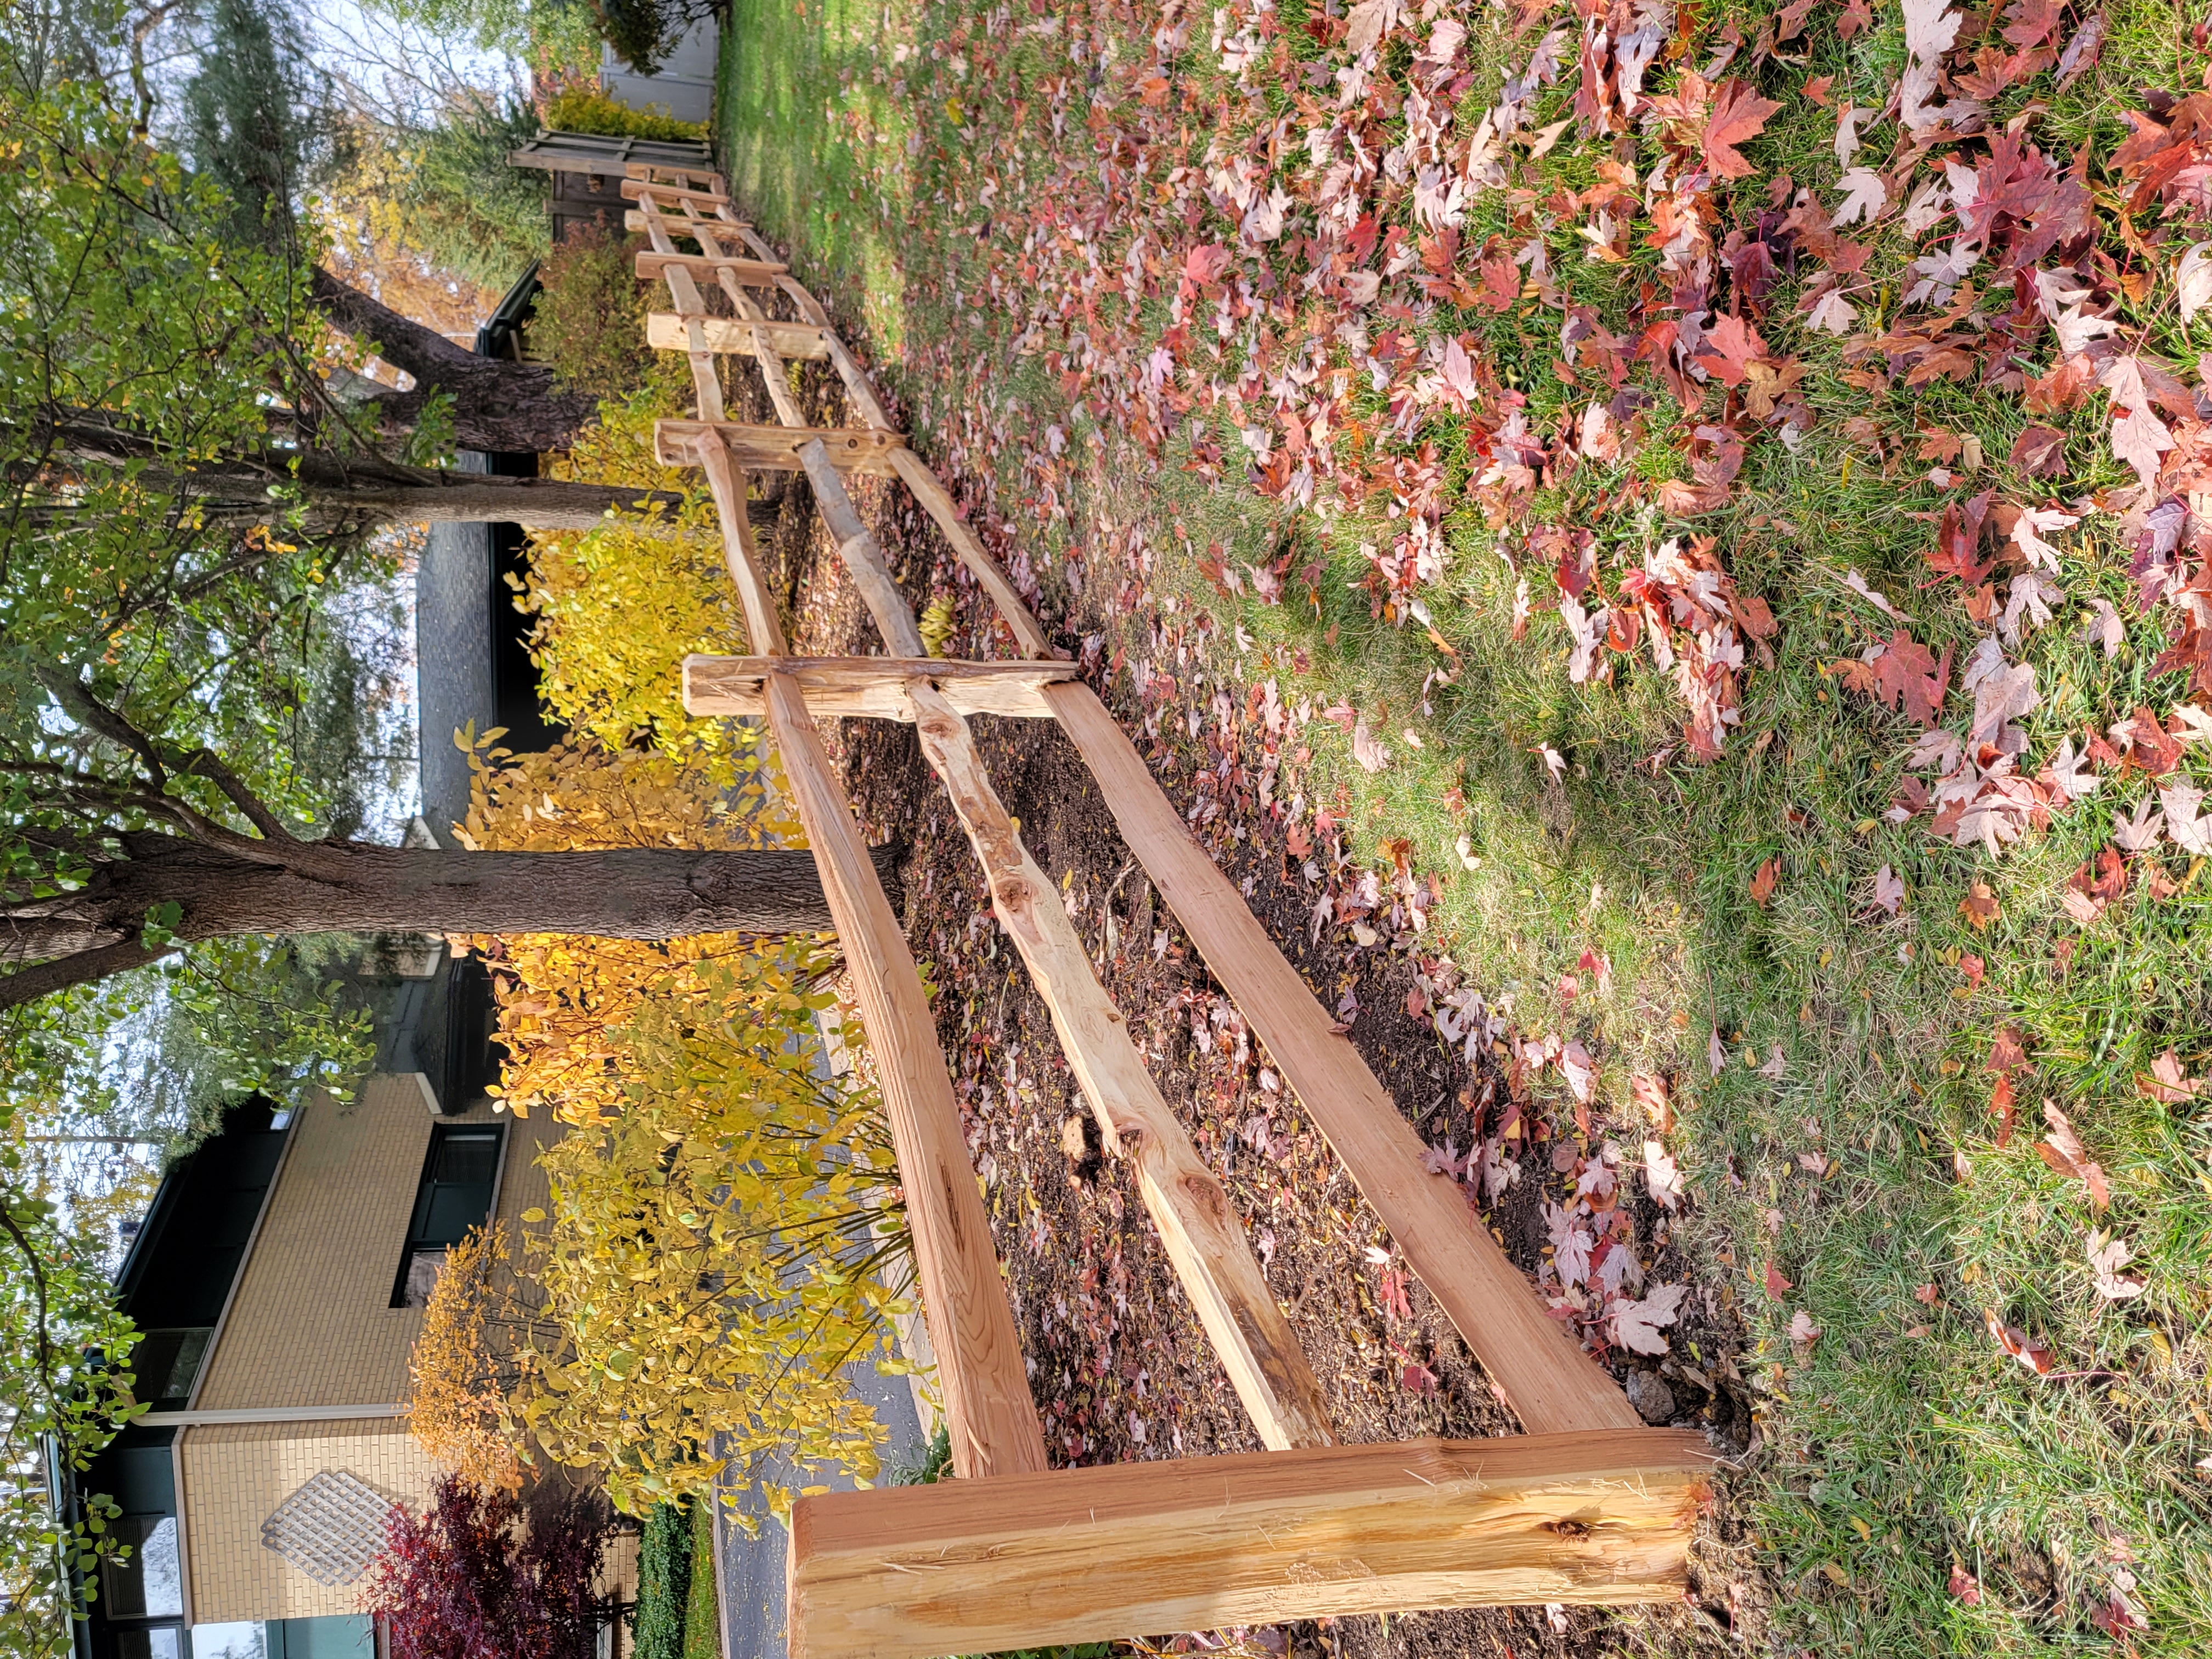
(1121, 1369)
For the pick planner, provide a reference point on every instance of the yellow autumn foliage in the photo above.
(723, 1211)
(465, 1364)
(618, 609)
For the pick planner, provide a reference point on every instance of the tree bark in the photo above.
(497, 404)
(321, 887)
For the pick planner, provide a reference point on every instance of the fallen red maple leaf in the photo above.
(1738, 116)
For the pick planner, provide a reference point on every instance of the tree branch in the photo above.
(59, 973)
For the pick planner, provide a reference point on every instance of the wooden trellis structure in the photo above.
(1588, 1506)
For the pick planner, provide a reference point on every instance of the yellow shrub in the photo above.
(618, 611)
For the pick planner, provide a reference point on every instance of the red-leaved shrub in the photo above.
(479, 1576)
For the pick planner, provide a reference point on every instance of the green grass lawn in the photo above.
(1832, 1058)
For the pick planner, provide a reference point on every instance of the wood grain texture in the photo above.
(775, 448)
(871, 687)
(857, 389)
(760, 273)
(994, 1423)
(731, 337)
(1134, 1549)
(1204, 1239)
(936, 501)
(1551, 1384)
(690, 306)
(862, 554)
(764, 628)
(636, 189)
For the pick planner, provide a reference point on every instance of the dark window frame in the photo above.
(421, 1239)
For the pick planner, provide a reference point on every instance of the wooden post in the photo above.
(728, 337)
(1553, 1385)
(875, 688)
(760, 273)
(994, 1422)
(1200, 1543)
(1199, 1228)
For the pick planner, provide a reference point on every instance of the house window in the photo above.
(456, 1193)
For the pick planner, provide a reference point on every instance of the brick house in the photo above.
(279, 1279)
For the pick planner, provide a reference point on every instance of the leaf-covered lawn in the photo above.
(1682, 521)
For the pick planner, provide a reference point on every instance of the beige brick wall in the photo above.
(312, 1323)
(237, 1475)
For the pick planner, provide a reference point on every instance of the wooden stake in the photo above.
(1203, 1237)
(1552, 1384)
(1093, 1554)
(993, 1421)
(775, 448)
(872, 687)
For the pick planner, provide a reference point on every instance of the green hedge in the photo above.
(664, 1583)
(702, 1639)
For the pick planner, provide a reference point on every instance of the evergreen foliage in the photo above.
(664, 1582)
(464, 206)
(252, 118)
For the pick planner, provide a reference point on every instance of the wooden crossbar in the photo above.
(758, 273)
(776, 448)
(665, 331)
(1199, 1543)
(639, 188)
(877, 688)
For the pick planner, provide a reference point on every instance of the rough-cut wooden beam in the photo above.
(775, 448)
(1552, 1384)
(763, 630)
(871, 687)
(1204, 1239)
(727, 335)
(760, 273)
(936, 501)
(1132, 1549)
(635, 189)
(862, 554)
(994, 1423)
(706, 382)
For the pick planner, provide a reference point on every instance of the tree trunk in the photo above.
(497, 404)
(360, 492)
(641, 893)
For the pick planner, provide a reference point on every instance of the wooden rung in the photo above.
(871, 687)
(684, 177)
(1199, 1228)
(732, 337)
(775, 448)
(993, 1421)
(1094, 1554)
(683, 225)
(754, 273)
(1551, 1384)
(637, 189)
